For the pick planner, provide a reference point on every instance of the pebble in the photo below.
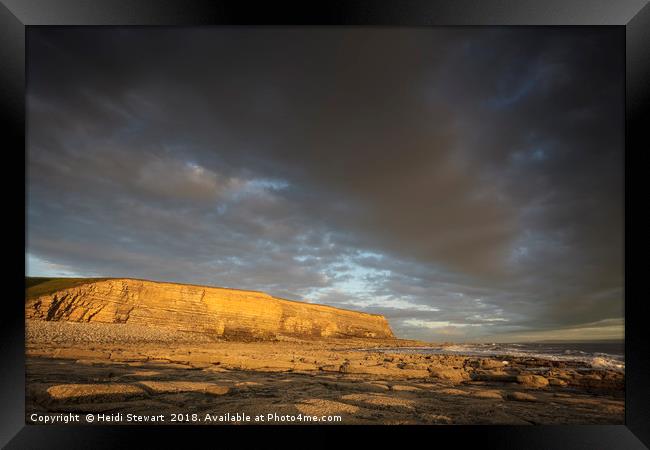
(42, 331)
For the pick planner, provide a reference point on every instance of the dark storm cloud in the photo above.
(464, 182)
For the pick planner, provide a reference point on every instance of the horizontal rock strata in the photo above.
(220, 312)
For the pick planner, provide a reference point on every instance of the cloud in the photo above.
(458, 176)
(434, 324)
(34, 264)
(171, 179)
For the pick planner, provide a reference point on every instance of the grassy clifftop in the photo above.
(35, 286)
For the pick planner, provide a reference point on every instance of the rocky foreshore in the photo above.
(90, 369)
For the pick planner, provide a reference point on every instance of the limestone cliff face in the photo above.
(224, 312)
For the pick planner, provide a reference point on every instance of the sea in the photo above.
(604, 355)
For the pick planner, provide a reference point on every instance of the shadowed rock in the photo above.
(521, 397)
(173, 387)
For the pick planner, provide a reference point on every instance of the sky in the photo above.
(467, 183)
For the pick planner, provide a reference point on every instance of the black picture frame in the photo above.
(16, 15)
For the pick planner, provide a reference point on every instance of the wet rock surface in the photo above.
(90, 368)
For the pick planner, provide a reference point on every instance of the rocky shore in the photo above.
(117, 368)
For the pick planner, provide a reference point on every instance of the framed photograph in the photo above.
(403, 220)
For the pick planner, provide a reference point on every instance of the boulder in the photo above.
(453, 375)
(494, 375)
(557, 382)
(537, 381)
(491, 364)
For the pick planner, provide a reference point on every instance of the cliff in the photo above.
(224, 312)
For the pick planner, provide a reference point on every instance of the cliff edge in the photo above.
(228, 313)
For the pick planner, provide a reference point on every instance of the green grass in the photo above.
(36, 286)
